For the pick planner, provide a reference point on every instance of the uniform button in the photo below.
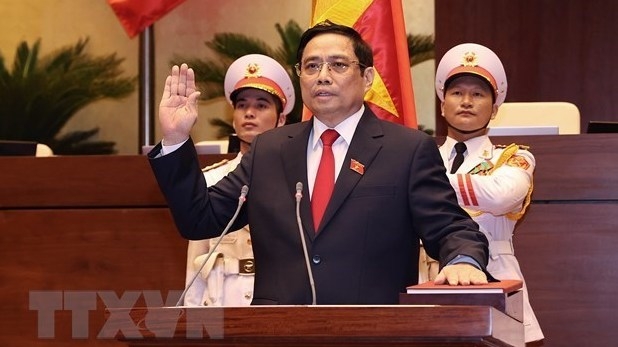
(316, 259)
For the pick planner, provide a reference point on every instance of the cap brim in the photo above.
(261, 83)
(472, 70)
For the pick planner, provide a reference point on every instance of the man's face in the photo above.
(255, 111)
(329, 95)
(468, 104)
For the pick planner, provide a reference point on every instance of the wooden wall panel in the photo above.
(82, 181)
(65, 250)
(82, 223)
(568, 256)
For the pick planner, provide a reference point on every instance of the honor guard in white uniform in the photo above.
(261, 93)
(493, 182)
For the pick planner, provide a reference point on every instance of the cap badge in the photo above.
(469, 59)
(253, 70)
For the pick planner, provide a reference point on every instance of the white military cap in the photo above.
(260, 72)
(474, 59)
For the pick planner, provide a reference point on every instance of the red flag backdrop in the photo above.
(381, 24)
(136, 15)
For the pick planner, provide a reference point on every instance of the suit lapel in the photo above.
(363, 149)
(294, 156)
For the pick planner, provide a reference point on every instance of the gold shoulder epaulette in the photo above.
(522, 147)
(215, 165)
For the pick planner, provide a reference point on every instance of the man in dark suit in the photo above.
(390, 189)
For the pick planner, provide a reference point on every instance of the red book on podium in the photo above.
(504, 286)
(505, 295)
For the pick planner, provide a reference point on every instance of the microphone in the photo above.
(241, 200)
(298, 196)
(299, 191)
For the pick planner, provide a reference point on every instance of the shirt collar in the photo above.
(472, 143)
(345, 129)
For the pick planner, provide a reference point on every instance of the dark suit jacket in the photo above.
(366, 249)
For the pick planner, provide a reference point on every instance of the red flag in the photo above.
(381, 24)
(136, 15)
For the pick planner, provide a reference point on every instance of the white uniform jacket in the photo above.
(227, 277)
(493, 185)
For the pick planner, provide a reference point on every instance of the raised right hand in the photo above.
(178, 107)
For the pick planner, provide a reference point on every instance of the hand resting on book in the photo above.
(460, 274)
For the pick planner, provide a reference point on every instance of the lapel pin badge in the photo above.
(356, 166)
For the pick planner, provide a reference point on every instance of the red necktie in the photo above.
(325, 178)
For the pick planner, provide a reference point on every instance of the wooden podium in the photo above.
(396, 325)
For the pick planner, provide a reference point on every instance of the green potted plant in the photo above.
(40, 94)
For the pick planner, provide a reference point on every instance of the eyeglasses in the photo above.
(311, 68)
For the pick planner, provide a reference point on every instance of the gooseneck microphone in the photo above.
(299, 195)
(241, 200)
